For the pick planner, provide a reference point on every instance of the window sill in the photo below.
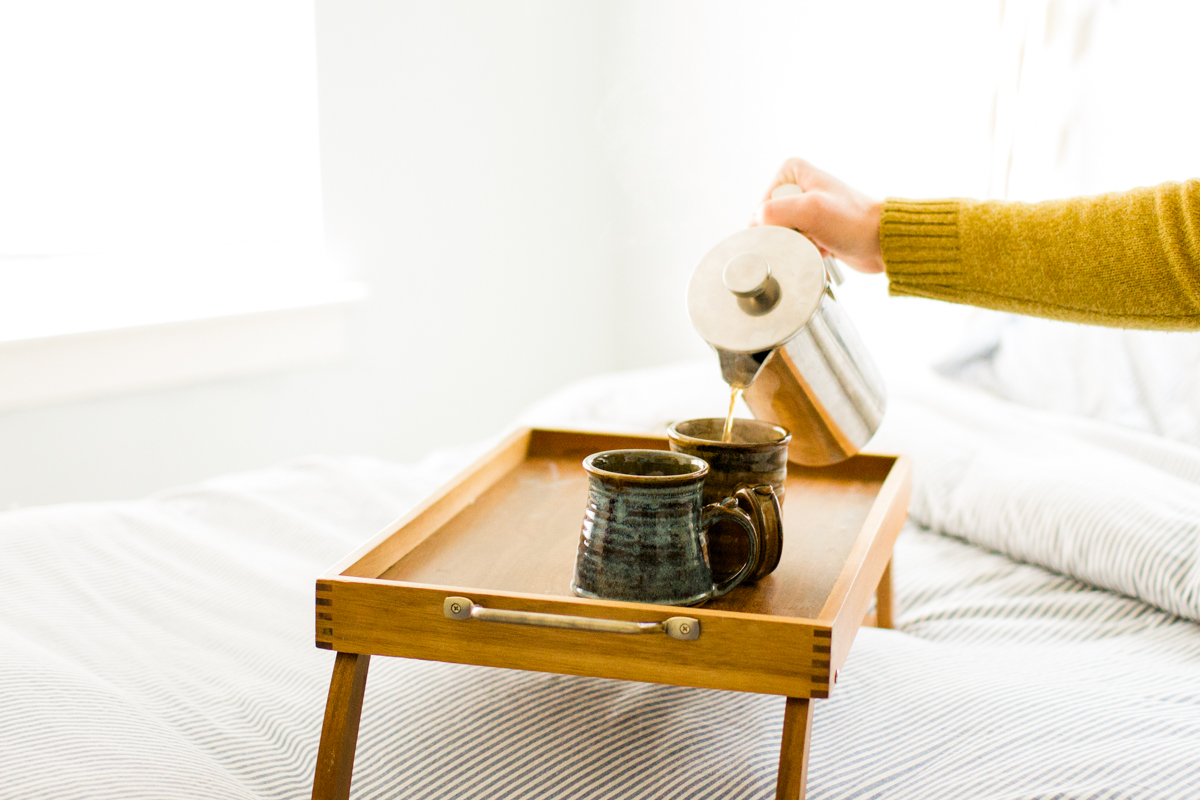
(167, 338)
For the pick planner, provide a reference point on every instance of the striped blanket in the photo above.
(1047, 644)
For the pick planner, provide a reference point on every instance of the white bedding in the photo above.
(164, 648)
(1146, 380)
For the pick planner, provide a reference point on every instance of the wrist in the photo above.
(871, 259)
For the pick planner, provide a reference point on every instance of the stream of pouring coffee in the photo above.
(727, 431)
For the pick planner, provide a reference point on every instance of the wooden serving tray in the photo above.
(503, 533)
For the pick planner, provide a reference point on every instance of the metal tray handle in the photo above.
(685, 628)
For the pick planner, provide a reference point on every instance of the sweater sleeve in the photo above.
(1127, 259)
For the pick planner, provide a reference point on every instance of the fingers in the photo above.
(799, 172)
(800, 211)
(839, 220)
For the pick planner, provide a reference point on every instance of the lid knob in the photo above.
(746, 275)
(779, 269)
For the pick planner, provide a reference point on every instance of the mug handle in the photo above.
(762, 504)
(728, 509)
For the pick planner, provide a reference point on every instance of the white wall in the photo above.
(526, 187)
(709, 98)
(462, 183)
(1096, 96)
(457, 144)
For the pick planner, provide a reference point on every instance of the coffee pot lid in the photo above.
(756, 289)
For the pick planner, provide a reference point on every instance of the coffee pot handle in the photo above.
(728, 510)
(832, 271)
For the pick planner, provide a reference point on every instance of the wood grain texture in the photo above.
(885, 604)
(521, 533)
(339, 733)
(383, 550)
(504, 533)
(547, 443)
(872, 550)
(792, 780)
(742, 652)
(824, 513)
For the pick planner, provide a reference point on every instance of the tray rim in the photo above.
(495, 463)
(839, 618)
(492, 465)
(392, 619)
(645, 609)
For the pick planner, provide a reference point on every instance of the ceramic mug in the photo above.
(756, 459)
(644, 530)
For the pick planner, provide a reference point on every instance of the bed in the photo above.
(1047, 642)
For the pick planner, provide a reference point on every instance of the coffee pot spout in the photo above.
(740, 369)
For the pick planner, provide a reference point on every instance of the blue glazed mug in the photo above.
(644, 536)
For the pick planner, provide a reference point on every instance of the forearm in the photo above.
(1129, 259)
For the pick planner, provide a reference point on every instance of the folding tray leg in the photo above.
(884, 604)
(793, 750)
(339, 734)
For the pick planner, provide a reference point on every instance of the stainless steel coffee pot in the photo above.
(763, 300)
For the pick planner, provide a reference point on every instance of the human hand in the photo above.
(839, 220)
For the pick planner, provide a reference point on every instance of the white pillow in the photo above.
(1147, 380)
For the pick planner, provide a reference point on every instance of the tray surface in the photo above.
(502, 536)
(521, 534)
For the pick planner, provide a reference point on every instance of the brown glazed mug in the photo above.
(756, 460)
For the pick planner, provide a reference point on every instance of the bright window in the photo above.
(134, 125)
(158, 162)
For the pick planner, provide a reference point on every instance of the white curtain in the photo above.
(1094, 96)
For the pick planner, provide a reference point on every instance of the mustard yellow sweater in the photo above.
(1127, 259)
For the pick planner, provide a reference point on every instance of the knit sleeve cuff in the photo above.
(919, 240)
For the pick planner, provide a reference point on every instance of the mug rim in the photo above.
(695, 476)
(784, 436)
